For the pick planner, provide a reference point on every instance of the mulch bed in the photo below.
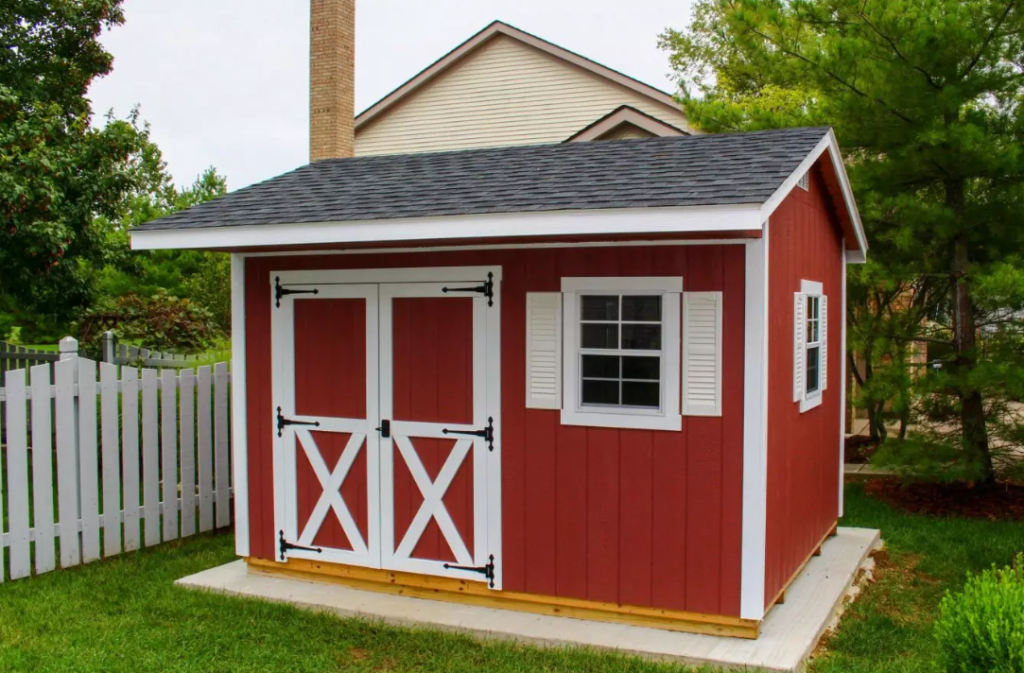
(1005, 502)
(858, 449)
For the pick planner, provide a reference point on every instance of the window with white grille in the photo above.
(810, 344)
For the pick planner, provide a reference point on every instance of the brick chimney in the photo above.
(332, 79)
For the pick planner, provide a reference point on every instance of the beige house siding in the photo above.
(626, 132)
(505, 93)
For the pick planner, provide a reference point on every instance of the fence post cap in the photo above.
(68, 347)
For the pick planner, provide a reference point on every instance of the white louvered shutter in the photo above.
(544, 350)
(702, 353)
(799, 338)
(823, 327)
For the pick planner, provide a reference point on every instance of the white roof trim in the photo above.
(503, 225)
(625, 114)
(830, 144)
(496, 28)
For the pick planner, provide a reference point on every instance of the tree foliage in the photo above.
(59, 174)
(925, 97)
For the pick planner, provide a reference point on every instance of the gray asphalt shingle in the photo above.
(720, 169)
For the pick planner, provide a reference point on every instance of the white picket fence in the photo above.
(79, 483)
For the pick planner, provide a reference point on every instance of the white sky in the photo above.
(224, 83)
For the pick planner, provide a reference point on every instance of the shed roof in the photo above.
(700, 170)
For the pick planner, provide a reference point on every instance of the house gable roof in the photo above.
(622, 115)
(495, 29)
(725, 182)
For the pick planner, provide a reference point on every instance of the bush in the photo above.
(160, 322)
(981, 629)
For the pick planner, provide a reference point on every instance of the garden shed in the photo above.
(601, 380)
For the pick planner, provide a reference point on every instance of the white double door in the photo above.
(386, 424)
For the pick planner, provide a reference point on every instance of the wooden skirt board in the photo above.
(385, 454)
(474, 593)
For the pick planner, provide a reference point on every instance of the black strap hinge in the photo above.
(487, 289)
(487, 570)
(281, 291)
(487, 433)
(282, 422)
(284, 546)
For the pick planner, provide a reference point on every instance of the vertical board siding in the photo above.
(42, 470)
(169, 452)
(88, 461)
(803, 455)
(627, 516)
(130, 456)
(150, 460)
(111, 460)
(73, 441)
(187, 453)
(68, 507)
(205, 468)
(221, 448)
(17, 474)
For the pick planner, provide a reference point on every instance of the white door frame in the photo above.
(491, 363)
(294, 438)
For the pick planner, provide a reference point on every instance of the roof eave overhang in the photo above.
(849, 215)
(462, 228)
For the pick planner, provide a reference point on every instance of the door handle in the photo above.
(384, 429)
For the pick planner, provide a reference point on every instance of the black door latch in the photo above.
(282, 421)
(487, 289)
(487, 570)
(284, 546)
(487, 433)
(385, 429)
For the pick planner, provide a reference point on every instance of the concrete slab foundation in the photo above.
(789, 633)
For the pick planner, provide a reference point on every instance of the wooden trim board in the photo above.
(477, 593)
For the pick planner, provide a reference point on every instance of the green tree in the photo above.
(925, 97)
(203, 277)
(61, 177)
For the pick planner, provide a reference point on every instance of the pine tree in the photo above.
(925, 97)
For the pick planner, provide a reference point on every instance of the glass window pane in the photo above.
(641, 394)
(641, 368)
(812, 331)
(812, 369)
(641, 308)
(599, 308)
(641, 337)
(600, 367)
(600, 335)
(600, 392)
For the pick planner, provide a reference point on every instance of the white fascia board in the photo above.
(831, 145)
(696, 219)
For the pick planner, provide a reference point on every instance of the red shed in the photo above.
(588, 379)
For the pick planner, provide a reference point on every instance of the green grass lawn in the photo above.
(126, 615)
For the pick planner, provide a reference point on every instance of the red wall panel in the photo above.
(804, 243)
(625, 516)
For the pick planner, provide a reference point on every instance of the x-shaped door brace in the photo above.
(331, 497)
(433, 499)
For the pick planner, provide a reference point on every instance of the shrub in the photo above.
(981, 629)
(160, 322)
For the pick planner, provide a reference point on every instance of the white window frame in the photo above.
(812, 290)
(668, 416)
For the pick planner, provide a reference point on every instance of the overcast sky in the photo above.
(224, 83)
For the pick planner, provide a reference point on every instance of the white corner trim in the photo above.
(620, 284)
(239, 431)
(755, 431)
(842, 389)
(636, 221)
(831, 145)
